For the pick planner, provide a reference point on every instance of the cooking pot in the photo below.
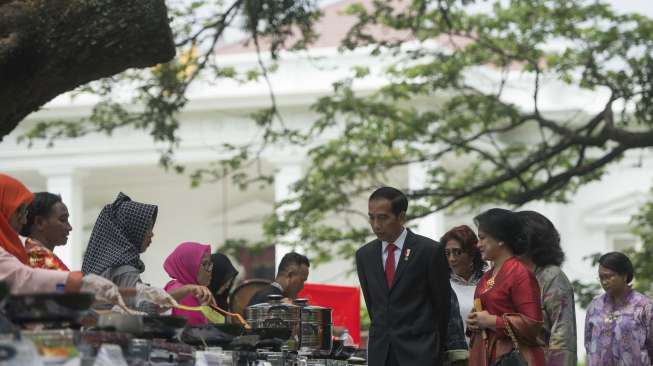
(316, 328)
(275, 314)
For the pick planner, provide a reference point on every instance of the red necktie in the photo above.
(390, 264)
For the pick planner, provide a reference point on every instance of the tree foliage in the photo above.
(447, 105)
(479, 146)
(641, 256)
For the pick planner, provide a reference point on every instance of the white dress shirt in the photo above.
(399, 243)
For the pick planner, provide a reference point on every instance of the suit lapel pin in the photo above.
(407, 254)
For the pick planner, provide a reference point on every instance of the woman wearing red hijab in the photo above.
(14, 200)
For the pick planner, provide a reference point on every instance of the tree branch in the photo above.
(55, 46)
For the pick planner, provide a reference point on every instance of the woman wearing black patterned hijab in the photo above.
(122, 232)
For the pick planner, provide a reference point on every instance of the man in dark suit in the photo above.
(291, 275)
(405, 282)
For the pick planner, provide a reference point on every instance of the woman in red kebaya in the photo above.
(507, 298)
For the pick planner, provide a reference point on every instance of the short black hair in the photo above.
(503, 225)
(396, 197)
(618, 262)
(41, 206)
(292, 259)
(543, 239)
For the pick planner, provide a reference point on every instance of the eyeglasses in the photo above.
(207, 266)
(455, 252)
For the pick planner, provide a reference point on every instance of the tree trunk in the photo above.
(48, 47)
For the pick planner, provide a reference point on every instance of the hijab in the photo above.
(223, 271)
(12, 194)
(184, 262)
(118, 234)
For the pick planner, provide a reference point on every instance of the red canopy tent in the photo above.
(345, 302)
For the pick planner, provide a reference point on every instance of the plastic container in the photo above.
(347, 339)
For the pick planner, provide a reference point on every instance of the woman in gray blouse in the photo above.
(124, 230)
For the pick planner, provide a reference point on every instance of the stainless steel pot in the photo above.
(275, 314)
(316, 328)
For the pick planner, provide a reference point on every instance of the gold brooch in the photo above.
(489, 284)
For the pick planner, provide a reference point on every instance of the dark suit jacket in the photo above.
(412, 315)
(262, 295)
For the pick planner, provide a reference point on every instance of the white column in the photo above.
(66, 183)
(431, 226)
(287, 174)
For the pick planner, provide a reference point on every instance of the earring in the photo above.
(500, 243)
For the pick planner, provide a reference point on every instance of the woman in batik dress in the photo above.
(619, 323)
(544, 257)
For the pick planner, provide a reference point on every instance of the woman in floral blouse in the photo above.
(619, 323)
(544, 257)
(47, 227)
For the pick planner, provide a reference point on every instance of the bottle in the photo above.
(346, 339)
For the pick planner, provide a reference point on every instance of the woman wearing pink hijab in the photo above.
(190, 266)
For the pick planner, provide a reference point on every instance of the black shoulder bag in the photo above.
(514, 357)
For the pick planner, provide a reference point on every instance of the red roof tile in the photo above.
(332, 28)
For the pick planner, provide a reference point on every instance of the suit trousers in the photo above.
(392, 359)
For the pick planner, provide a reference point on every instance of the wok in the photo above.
(48, 307)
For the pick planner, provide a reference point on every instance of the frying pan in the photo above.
(144, 326)
(162, 326)
(6, 327)
(48, 307)
(4, 291)
(269, 333)
(223, 334)
(232, 329)
(211, 334)
(263, 333)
